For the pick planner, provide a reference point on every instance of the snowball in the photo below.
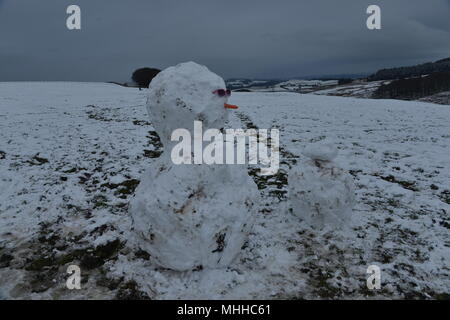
(322, 194)
(194, 215)
(324, 151)
(181, 94)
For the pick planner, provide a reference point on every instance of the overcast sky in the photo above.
(234, 38)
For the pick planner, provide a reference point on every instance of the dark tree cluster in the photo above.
(415, 88)
(345, 81)
(413, 71)
(144, 76)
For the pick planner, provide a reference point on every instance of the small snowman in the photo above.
(190, 216)
(321, 193)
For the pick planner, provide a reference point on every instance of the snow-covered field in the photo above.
(72, 154)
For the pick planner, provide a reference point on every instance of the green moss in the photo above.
(37, 161)
(152, 153)
(410, 185)
(442, 296)
(100, 201)
(130, 291)
(5, 260)
(127, 188)
(97, 257)
(40, 263)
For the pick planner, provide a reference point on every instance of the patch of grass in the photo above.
(37, 161)
(50, 239)
(355, 172)
(393, 202)
(100, 201)
(124, 188)
(141, 123)
(141, 254)
(410, 185)
(130, 291)
(89, 258)
(84, 178)
(386, 257)
(70, 257)
(111, 284)
(101, 229)
(155, 140)
(98, 116)
(40, 263)
(152, 153)
(445, 196)
(444, 224)
(101, 254)
(323, 288)
(279, 181)
(43, 280)
(442, 296)
(5, 260)
(73, 170)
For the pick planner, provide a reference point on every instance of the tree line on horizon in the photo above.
(414, 88)
(411, 71)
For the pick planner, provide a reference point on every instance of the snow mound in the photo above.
(322, 194)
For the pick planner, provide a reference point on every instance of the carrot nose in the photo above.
(230, 106)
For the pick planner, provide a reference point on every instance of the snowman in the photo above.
(321, 193)
(191, 216)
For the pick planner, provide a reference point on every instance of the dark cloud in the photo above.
(252, 38)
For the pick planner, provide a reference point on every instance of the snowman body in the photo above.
(191, 215)
(321, 193)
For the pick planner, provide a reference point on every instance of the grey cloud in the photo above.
(253, 38)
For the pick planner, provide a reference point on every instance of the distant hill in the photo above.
(335, 76)
(425, 82)
(415, 88)
(235, 84)
(443, 60)
(412, 71)
(293, 85)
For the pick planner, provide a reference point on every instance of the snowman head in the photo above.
(185, 93)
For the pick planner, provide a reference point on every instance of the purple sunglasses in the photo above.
(222, 92)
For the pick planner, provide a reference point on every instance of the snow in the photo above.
(70, 209)
(190, 216)
(321, 150)
(182, 94)
(322, 194)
